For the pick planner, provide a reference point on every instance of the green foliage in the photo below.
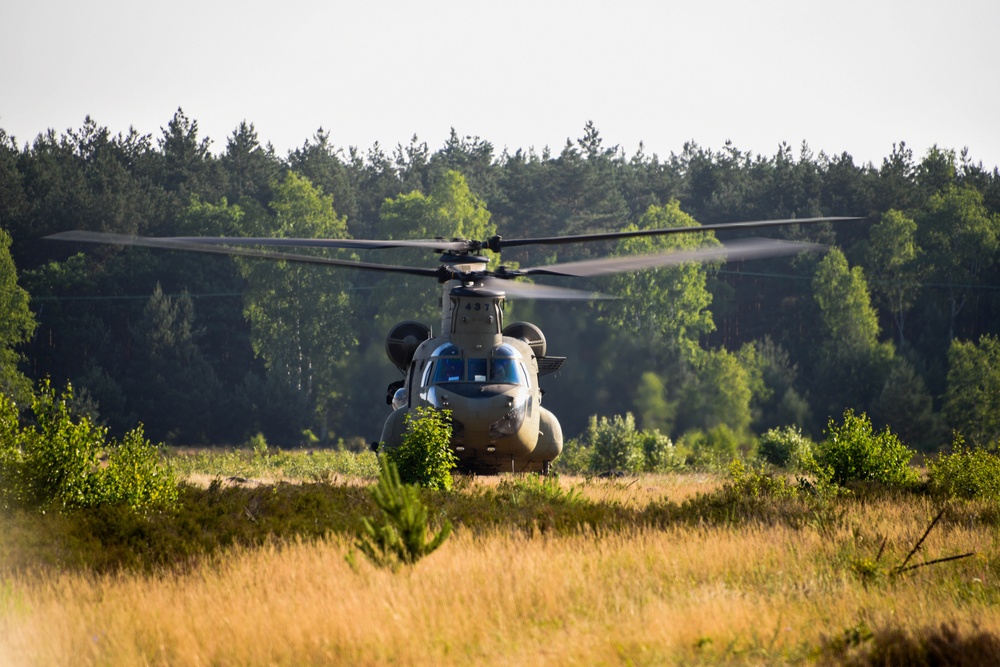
(754, 484)
(906, 405)
(17, 323)
(785, 447)
(402, 537)
(959, 235)
(719, 394)
(894, 265)
(713, 448)
(669, 304)
(970, 473)
(299, 314)
(135, 476)
(772, 380)
(576, 458)
(842, 295)
(655, 412)
(659, 452)
(425, 456)
(616, 444)
(288, 465)
(56, 463)
(972, 401)
(853, 452)
(929, 253)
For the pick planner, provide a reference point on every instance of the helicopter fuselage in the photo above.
(485, 375)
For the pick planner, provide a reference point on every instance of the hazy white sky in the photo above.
(855, 75)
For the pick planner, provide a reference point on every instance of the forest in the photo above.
(898, 319)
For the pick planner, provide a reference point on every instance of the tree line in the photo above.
(899, 320)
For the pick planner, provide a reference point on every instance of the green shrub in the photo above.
(659, 452)
(615, 443)
(853, 452)
(402, 538)
(754, 484)
(973, 474)
(425, 456)
(785, 447)
(134, 475)
(57, 462)
(575, 459)
(714, 448)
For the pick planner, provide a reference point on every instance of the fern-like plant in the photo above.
(403, 536)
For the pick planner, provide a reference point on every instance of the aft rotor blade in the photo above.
(173, 243)
(612, 236)
(519, 290)
(731, 251)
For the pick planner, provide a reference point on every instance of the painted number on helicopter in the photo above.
(478, 311)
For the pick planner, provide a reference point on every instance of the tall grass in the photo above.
(749, 593)
(269, 466)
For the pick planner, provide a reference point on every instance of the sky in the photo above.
(850, 76)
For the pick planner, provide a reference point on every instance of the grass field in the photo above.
(666, 574)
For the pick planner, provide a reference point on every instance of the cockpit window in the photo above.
(505, 366)
(477, 370)
(449, 370)
(506, 371)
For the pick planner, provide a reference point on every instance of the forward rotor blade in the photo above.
(173, 243)
(734, 250)
(611, 236)
(358, 244)
(519, 290)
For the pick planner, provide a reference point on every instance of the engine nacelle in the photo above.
(403, 341)
(530, 334)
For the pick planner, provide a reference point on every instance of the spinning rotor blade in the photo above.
(177, 243)
(611, 236)
(732, 251)
(360, 244)
(520, 290)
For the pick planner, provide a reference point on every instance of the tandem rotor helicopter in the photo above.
(485, 372)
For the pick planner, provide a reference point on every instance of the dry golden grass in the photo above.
(750, 595)
(636, 492)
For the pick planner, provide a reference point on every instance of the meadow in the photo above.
(681, 568)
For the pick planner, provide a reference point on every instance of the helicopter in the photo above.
(485, 372)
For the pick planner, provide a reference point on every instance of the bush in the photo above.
(659, 452)
(853, 452)
(973, 474)
(57, 462)
(575, 458)
(134, 475)
(425, 455)
(785, 447)
(402, 536)
(615, 443)
(714, 448)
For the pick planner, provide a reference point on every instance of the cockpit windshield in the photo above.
(449, 370)
(506, 371)
(505, 367)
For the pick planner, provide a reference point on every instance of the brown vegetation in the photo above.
(748, 593)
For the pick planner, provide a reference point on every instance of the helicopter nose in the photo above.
(512, 419)
(496, 411)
